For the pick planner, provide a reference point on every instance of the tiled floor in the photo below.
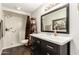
(20, 50)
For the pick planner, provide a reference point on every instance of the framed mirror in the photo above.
(57, 19)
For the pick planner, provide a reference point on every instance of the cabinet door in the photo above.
(36, 46)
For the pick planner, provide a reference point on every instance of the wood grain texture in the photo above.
(20, 50)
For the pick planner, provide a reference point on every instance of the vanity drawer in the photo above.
(50, 47)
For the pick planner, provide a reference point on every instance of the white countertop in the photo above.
(60, 40)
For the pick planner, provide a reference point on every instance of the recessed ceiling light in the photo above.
(19, 8)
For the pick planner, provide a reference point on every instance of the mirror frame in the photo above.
(67, 19)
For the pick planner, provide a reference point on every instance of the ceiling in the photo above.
(26, 7)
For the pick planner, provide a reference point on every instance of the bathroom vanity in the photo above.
(43, 44)
(56, 21)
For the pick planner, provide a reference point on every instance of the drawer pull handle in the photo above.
(50, 47)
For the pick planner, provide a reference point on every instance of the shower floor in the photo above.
(19, 50)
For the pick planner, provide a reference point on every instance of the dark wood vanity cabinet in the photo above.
(42, 47)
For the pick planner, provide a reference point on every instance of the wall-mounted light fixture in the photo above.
(50, 6)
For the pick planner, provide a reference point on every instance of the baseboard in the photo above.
(12, 46)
